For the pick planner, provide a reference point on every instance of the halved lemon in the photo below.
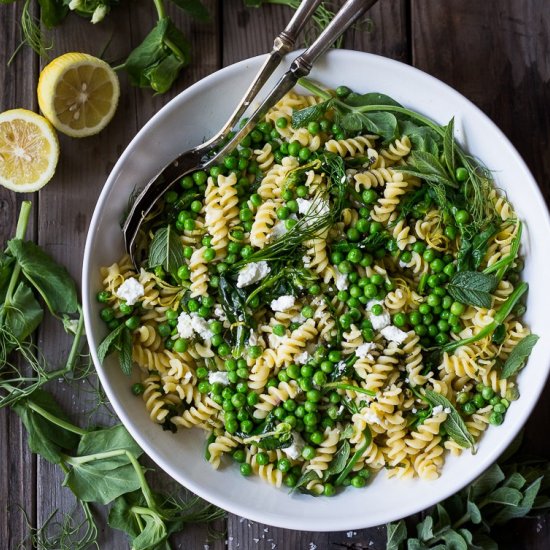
(78, 93)
(28, 150)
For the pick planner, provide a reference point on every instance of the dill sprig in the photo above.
(320, 216)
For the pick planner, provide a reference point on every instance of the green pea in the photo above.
(400, 319)
(308, 452)
(304, 154)
(462, 217)
(345, 321)
(369, 196)
(496, 419)
(451, 232)
(132, 323)
(313, 127)
(294, 148)
(358, 482)
(355, 255)
(457, 308)
(187, 182)
(281, 122)
(138, 389)
(487, 393)
(499, 408)
(375, 227)
(245, 469)
(377, 309)
(478, 400)
(353, 234)
(462, 398)
(469, 408)
(429, 255)
(319, 378)
(103, 296)
(107, 314)
(283, 212)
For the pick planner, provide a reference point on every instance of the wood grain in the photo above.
(17, 464)
(497, 53)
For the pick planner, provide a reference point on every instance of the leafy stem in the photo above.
(21, 230)
(159, 5)
(343, 386)
(499, 318)
(55, 420)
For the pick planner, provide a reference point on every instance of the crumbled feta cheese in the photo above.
(437, 410)
(403, 264)
(252, 273)
(283, 303)
(414, 410)
(341, 280)
(313, 208)
(187, 376)
(303, 358)
(299, 318)
(372, 418)
(131, 290)
(253, 339)
(303, 205)
(341, 367)
(185, 327)
(200, 326)
(447, 410)
(364, 350)
(274, 340)
(278, 230)
(219, 377)
(295, 450)
(220, 313)
(394, 334)
(378, 321)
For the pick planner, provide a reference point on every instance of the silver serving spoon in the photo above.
(199, 157)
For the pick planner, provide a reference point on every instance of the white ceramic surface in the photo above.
(184, 122)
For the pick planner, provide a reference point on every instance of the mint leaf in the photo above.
(396, 534)
(303, 117)
(449, 147)
(473, 288)
(454, 425)
(339, 461)
(519, 355)
(109, 343)
(166, 250)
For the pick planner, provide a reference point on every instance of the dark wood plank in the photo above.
(66, 206)
(17, 464)
(496, 54)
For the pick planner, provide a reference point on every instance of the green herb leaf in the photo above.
(108, 439)
(52, 12)
(424, 529)
(355, 457)
(166, 250)
(372, 98)
(396, 534)
(44, 437)
(23, 314)
(158, 60)
(454, 425)
(305, 478)
(472, 287)
(449, 148)
(109, 343)
(125, 352)
(195, 8)
(101, 480)
(6, 268)
(473, 510)
(50, 279)
(487, 482)
(303, 117)
(338, 462)
(518, 511)
(519, 355)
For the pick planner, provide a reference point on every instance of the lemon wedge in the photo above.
(28, 150)
(78, 93)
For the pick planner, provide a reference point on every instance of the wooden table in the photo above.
(496, 52)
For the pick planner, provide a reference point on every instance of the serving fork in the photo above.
(215, 149)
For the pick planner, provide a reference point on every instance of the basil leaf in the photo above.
(396, 534)
(22, 316)
(166, 250)
(195, 8)
(303, 117)
(472, 287)
(109, 343)
(44, 437)
(338, 462)
(454, 425)
(50, 279)
(519, 355)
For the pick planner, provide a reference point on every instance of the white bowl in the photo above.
(195, 114)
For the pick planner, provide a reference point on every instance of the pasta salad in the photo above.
(341, 295)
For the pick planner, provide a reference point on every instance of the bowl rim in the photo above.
(132, 426)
